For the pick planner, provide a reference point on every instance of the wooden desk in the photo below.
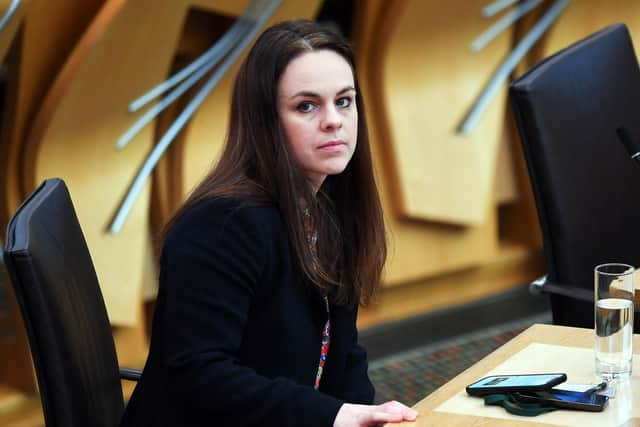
(541, 348)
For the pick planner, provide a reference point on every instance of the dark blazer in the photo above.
(236, 334)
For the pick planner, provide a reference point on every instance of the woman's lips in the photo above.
(333, 146)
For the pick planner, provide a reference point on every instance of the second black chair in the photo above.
(586, 187)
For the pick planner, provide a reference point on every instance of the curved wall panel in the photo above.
(418, 248)
(431, 79)
(38, 51)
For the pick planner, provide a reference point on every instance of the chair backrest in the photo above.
(67, 325)
(587, 190)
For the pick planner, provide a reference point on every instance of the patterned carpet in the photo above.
(411, 375)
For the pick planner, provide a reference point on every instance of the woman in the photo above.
(264, 266)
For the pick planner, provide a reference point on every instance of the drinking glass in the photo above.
(614, 320)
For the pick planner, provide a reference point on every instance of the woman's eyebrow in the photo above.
(309, 94)
(306, 94)
(346, 89)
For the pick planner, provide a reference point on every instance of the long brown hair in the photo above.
(257, 163)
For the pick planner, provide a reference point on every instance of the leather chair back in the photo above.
(586, 187)
(58, 293)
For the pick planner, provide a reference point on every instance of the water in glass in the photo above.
(614, 323)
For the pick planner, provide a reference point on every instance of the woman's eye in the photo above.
(305, 107)
(343, 102)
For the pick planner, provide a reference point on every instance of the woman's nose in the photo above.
(332, 118)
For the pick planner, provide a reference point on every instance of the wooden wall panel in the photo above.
(125, 52)
(223, 7)
(506, 181)
(49, 32)
(431, 80)
(418, 248)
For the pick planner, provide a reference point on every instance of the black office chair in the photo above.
(60, 300)
(587, 189)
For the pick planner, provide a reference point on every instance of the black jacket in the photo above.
(237, 333)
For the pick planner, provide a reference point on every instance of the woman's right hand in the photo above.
(351, 415)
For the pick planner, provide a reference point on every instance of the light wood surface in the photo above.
(541, 348)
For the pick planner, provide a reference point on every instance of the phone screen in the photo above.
(508, 383)
(567, 399)
(517, 380)
(574, 396)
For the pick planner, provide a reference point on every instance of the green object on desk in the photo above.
(513, 406)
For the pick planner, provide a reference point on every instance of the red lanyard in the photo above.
(312, 238)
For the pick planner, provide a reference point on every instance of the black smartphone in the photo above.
(565, 399)
(511, 383)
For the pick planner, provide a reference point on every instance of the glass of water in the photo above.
(614, 320)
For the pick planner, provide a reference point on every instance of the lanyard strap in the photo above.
(513, 406)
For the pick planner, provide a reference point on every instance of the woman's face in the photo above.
(317, 108)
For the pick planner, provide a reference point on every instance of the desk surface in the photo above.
(541, 348)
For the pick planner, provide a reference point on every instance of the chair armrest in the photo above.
(130, 374)
(544, 285)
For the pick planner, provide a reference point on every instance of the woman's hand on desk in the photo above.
(351, 415)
